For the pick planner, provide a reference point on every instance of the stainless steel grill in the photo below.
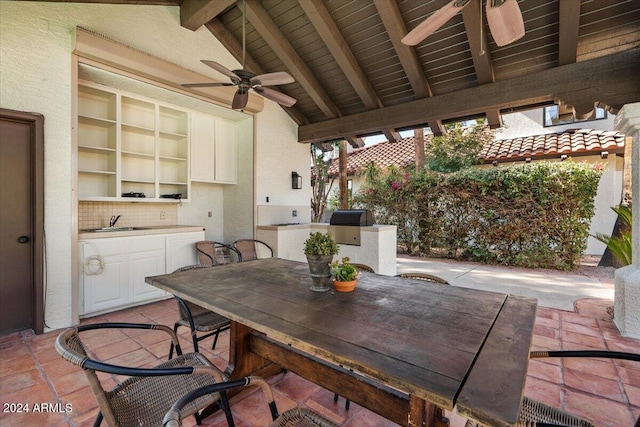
(345, 225)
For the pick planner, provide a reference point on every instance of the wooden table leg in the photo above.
(242, 361)
(425, 414)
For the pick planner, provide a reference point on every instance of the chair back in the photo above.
(424, 277)
(189, 310)
(70, 347)
(147, 393)
(362, 267)
(251, 249)
(216, 253)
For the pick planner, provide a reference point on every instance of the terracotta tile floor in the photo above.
(605, 392)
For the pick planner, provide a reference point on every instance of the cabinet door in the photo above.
(105, 286)
(225, 151)
(181, 250)
(203, 137)
(142, 265)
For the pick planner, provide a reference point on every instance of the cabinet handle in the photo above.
(23, 239)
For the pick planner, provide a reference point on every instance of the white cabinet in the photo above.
(213, 149)
(106, 285)
(181, 250)
(127, 144)
(113, 270)
(203, 140)
(226, 152)
(142, 265)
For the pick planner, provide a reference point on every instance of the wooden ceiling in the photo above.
(354, 77)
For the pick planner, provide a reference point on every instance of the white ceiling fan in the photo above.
(503, 16)
(245, 80)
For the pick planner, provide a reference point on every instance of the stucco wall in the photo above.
(531, 122)
(277, 155)
(36, 76)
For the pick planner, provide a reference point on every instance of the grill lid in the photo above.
(358, 217)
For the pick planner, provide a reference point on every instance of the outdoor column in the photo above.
(627, 293)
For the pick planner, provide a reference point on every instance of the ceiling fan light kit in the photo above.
(246, 80)
(503, 16)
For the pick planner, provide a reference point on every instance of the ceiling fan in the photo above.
(503, 16)
(245, 80)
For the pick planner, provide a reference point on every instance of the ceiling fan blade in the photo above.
(276, 96)
(220, 68)
(270, 79)
(433, 22)
(240, 100)
(206, 84)
(505, 21)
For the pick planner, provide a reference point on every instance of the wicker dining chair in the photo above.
(251, 249)
(216, 253)
(198, 319)
(362, 267)
(148, 393)
(424, 276)
(534, 413)
(296, 416)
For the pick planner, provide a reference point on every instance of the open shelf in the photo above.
(127, 143)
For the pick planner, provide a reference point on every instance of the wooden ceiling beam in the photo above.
(569, 25)
(195, 13)
(610, 80)
(494, 119)
(437, 127)
(354, 141)
(326, 27)
(396, 29)
(478, 43)
(233, 46)
(271, 34)
(324, 24)
(391, 135)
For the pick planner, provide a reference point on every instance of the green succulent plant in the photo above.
(320, 244)
(344, 271)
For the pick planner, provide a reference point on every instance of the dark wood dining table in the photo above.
(403, 348)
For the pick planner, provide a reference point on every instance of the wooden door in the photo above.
(21, 222)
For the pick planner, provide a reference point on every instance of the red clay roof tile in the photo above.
(574, 141)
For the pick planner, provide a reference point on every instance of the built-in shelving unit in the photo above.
(97, 142)
(127, 144)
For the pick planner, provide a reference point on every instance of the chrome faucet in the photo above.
(113, 220)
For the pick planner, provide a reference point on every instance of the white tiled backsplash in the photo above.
(97, 214)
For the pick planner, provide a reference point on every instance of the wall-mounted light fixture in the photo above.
(296, 181)
(495, 163)
(563, 157)
(604, 154)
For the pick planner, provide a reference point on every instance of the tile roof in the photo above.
(575, 142)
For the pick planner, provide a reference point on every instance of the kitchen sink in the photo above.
(109, 229)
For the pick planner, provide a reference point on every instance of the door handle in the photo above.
(23, 239)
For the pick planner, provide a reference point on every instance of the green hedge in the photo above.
(532, 215)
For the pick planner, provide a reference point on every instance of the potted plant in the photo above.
(320, 249)
(344, 275)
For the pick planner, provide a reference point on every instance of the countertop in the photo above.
(144, 231)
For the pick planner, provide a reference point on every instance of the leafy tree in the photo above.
(321, 183)
(458, 148)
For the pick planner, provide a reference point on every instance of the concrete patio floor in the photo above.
(603, 391)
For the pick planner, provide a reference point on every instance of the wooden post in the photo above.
(344, 200)
(418, 134)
